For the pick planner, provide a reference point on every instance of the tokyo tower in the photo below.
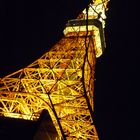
(62, 80)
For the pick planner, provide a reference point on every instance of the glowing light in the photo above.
(62, 80)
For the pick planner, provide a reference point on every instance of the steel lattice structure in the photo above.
(61, 81)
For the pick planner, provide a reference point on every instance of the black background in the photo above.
(29, 28)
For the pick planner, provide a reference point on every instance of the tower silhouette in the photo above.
(62, 80)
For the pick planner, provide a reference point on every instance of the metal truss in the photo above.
(61, 81)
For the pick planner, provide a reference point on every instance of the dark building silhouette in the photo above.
(19, 129)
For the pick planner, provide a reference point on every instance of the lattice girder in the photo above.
(55, 82)
(62, 80)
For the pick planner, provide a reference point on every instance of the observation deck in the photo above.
(88, 27)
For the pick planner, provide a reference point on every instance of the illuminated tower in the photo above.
(62, 80)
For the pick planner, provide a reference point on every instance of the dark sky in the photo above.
(29, 28)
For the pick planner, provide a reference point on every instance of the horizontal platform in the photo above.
(77, 27)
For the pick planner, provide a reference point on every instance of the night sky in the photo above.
(29, 28)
